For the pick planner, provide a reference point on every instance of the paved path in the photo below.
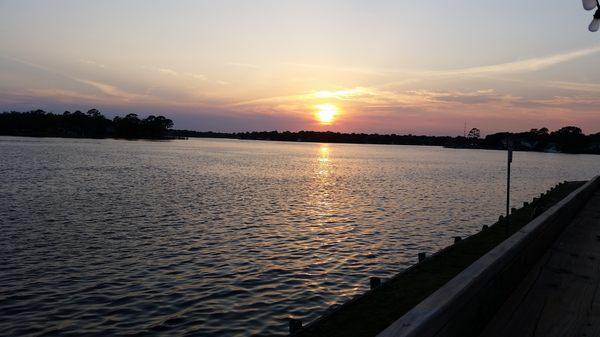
(560, 296)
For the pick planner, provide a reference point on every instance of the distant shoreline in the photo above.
(568, 140)
(92, 124)
(176, 136)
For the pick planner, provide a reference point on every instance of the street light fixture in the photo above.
(588, 5)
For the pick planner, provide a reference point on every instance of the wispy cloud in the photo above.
(107, 89)
(373, 99)
(171, 72)
(111, 90)
(516, 67)
(243, 65)
(31, 96)
(66, 96)
(31, 64)
(575, 86)
(507, 68)
(92, 63)
(167, 71)
(356, 70)
(494, 91)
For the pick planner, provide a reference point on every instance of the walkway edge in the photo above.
(464, 305)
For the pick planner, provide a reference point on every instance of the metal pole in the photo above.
(509, 160)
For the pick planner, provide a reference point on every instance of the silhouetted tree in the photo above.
(568, 131)
(94, 113)
(91, 124)
(569, 139)
(474, 134)
(156, 126)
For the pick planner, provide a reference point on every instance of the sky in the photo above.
(386, 66)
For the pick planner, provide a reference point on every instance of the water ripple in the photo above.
(229, 238)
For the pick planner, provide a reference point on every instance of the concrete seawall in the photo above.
(464, 305)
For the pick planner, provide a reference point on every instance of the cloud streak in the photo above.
(474, 93)
(93, 63)
(518, 67)
(109, 90)
(243, 65)
(341, 69)
(171, 72)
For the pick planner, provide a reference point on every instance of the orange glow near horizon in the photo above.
(208, 68)
(326, 113)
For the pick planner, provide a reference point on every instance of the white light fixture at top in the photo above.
(595, 24)
(589, 5)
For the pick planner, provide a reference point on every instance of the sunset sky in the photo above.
(422, 67)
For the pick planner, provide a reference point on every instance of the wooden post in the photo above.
(295, 325)
(374, 282)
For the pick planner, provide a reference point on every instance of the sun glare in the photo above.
(326, 113)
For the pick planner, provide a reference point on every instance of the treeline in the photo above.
(91, 124)
(322, 137)
(569, 139)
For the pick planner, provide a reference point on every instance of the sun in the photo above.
(326, 113)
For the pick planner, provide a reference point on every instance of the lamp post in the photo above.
(588, 5)
(509, 148)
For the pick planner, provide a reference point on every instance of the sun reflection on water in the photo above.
(321, 195)
(332, 225)
(324, 166)
(325, 195)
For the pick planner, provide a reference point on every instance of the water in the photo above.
(229, 238)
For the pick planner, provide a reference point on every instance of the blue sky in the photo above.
(386, 66)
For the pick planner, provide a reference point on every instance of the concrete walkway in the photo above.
(560, 296)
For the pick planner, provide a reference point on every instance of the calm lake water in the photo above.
(228, 238)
